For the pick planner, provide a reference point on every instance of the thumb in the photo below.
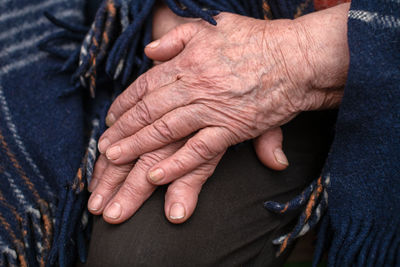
(268, 147)
(172, 43)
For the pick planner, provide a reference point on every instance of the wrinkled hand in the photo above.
(269, 145)
(231, 90)
(229, 83)
(120, 190)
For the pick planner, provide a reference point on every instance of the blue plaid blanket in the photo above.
(49, 124)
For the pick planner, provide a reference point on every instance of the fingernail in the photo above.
(153, 44)
(177, 211)
(114, 211)
(96, 202)
(110, 119)
(113, 153)
(156, 175)
(103, 145)
(281, 157)
(93, 184)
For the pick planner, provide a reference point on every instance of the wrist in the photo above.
(322, 38)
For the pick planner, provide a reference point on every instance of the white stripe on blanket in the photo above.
(29, 25)
(6, 250)
(29, 9)
(7, 116)
(386, 21)
(28, 208)
(25, 44)
(21, 63)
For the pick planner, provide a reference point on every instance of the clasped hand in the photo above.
(218, 86)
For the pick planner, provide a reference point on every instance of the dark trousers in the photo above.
(230, 226)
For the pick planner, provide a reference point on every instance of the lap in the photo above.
(230, 226)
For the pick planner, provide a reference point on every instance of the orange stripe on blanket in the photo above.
(267, 10)
(313, 199)
(43, 205)
(18, 243)
(300, 9)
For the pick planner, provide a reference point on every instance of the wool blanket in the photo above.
(47, 136)
(49, 124)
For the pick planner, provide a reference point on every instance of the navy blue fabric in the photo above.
(46, 124)
(290, 9)
(364, 163)
(49, 127)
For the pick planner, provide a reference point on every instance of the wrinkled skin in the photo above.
(136, 189)
(219, 86)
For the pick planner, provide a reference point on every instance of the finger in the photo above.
(268, 147)
(153, 79)
(181, 197)
(175, 125)
(99, 168)
(109, 182)
(164, 20)
(130, 196)
(207, 144)
(145, 112)
(136, 189)
(172, 43)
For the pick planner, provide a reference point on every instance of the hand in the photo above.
(127, 188)
(228, 90)
(269, 145)
(120, 190)
(178, 49)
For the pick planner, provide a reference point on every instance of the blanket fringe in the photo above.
(356, 242)
(316, 198)
(31, 234)
(359, 242)
(72, 206)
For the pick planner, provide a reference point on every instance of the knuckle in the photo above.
(120, 128)
(179, 165)
(140, 88)
(147, 161)
(108, 184)
(163, 130)
(100, 165)
(119, 105)
(182, 188)
(120, 171)
(132, 191)
(179, 31)
(202, 149)
(182, 34)
(177, 190)
(133, 146)
(205, 171)
(142, 113)
(186, 30)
